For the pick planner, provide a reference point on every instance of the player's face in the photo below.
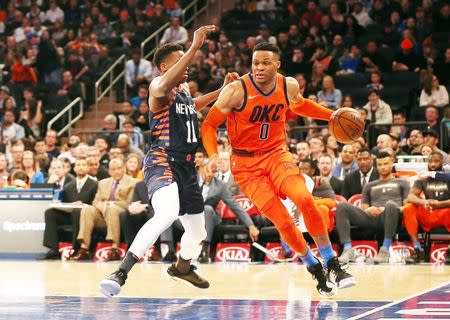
(435, 163)
(265, 65)
(170, 61)
(384, 166)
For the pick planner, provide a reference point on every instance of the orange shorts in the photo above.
(415, 216)
(260, 177)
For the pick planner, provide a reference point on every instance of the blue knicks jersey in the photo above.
(175, 128)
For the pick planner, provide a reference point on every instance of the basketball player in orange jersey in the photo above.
(264, 169)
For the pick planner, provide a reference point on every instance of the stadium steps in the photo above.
(89, 123)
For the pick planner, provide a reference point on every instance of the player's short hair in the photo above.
(436, 153)
(265, 46)
(383, 154)
(164, 51)
(307, 161)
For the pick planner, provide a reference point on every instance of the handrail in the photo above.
(197, 11)
(71, 121)
(156, 35)
(443, 134)
(109, 72)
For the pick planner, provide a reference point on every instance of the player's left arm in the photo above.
(303, 106)
(204, 100)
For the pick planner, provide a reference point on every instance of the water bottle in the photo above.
(56, 194)
(4, 181)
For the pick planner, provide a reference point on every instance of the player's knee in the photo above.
(342, 210)
(391, 207)
(284, 225)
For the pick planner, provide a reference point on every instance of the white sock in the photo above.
(194, 234)
(166, 205)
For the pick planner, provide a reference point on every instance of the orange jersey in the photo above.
(259, 125)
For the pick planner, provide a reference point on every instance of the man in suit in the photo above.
(354, 181)
(57, 175)
(214, 190)
(325, 164)
(224, 173)
(80, 190)
(113, 196)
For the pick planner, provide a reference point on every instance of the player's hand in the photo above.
(200, 35)
(424, 175)
(230, 77)
(373, 211)
(253, 232)
(211, 166)
(434, 204)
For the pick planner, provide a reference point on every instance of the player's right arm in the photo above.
(162, 86)
(230, 98)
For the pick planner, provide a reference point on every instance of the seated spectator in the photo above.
(347, 102)
(124, 143)
(137, 71)
(20, 179)
(264, 35)
(4, 95)
(137, 214)
(95, 170)
(414, 140)
(112, 198)
(407, 59)
(101, 144)
(323, 193)
(54, 13)
(380, 206)
(76, 66)
(213, 191)
(224, 173)
(141, 97)
(346, 163)
(176, 33)
(432, 138)
(378, 111)
(375, 82)
(31, 167)
(325, 164)
(432, 92)
(133, 168)
(329, 96)
(361, 15)
(331, 146)
(17, 150)
(384, 141)
(126, 113)
(373, 60)
(70, 88)
(80, 190)
(199, 157)
(12, 130)
(298, 63)
(400, 130)
(432, 118)
(429, 213)
(317, 148)
(71, 154)
(116, 153)
(57, 175)
(351, 62)
(141, 117)
(3, 166)
(356, 180)
(103, 29)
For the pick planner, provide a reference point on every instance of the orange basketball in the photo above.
(346, 125)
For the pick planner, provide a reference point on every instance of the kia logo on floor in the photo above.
(233, 253)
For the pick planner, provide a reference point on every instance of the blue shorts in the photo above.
(161, 170)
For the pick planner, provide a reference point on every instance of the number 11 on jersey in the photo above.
(191, 137)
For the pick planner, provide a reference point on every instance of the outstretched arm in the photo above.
(305, 107)
(162, 86)
(231, 97)
(203, 101)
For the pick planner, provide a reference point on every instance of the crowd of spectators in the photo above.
(324, 44)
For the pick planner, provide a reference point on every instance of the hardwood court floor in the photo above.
(66, 290)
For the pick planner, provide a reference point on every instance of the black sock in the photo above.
(128, 262)
(183, 265)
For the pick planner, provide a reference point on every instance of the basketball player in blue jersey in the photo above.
(169, 169)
